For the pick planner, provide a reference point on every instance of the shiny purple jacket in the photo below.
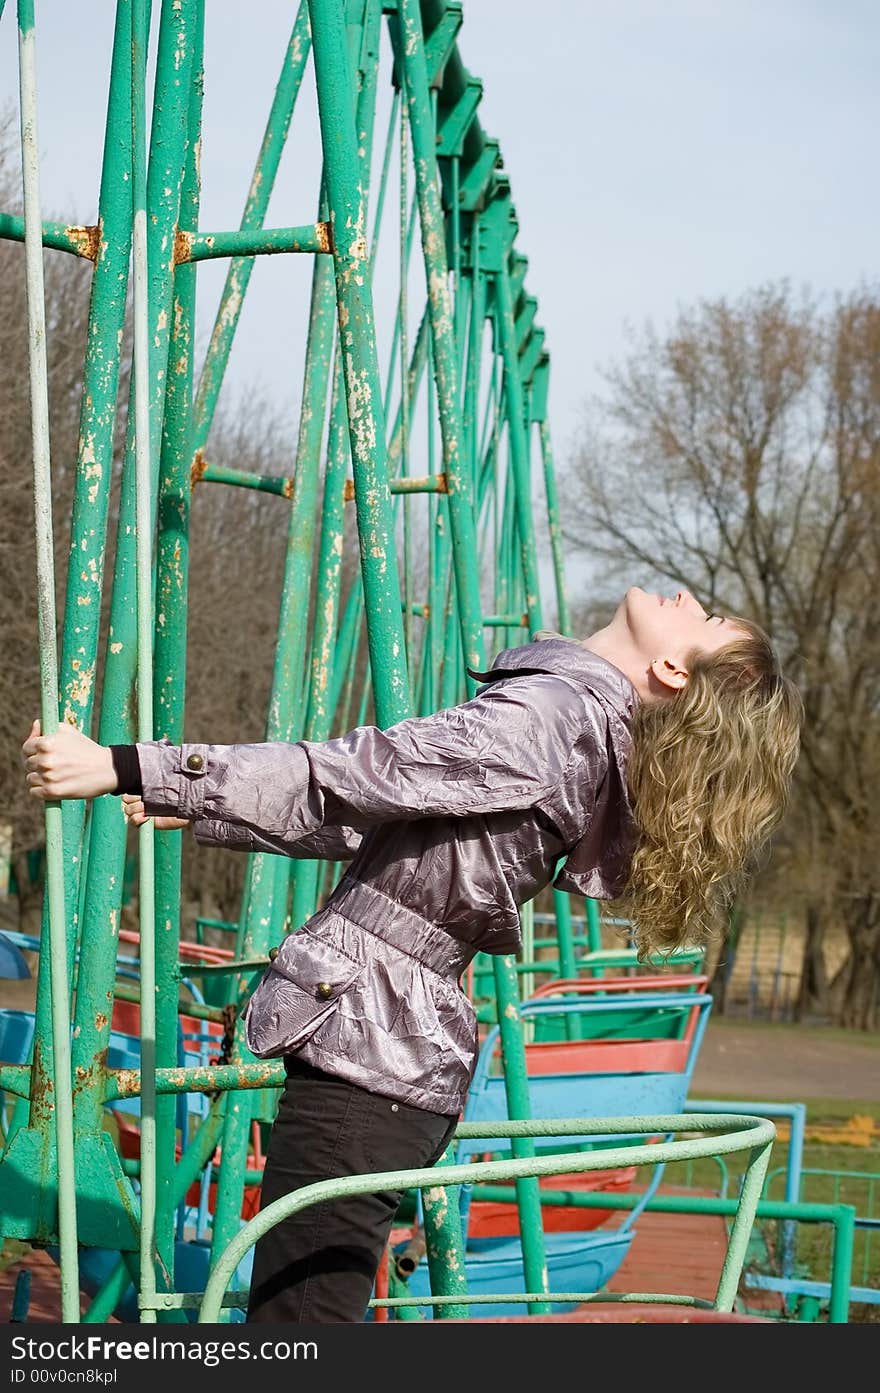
(451, 822)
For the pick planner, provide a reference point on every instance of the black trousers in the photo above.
(320, 1265)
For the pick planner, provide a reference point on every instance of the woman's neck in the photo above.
(616, 648)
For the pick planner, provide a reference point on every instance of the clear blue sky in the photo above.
(658, 150)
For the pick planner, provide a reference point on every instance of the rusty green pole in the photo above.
(539, 398)
(320, 713)
(265, 902)
(360, 364)
(170, 641)
(363, 49)
(42, 475)
(144, 613)
(347, 198)
(79, 649)
(107, 831)
(262, 184)
(411, 53)
(518, 447)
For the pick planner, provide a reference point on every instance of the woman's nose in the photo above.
(685, 600)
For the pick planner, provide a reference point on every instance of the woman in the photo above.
(647, 763)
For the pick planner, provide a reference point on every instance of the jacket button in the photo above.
(325, 990)
(194, 762)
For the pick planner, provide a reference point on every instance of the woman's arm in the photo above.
(327, 844)
(503, 750)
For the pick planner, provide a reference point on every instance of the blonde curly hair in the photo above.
(709, 776)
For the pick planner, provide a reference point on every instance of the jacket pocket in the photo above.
(298, 993)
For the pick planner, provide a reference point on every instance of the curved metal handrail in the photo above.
(755, 1134)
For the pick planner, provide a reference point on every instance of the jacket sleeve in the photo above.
(328, 844)
(505, 749)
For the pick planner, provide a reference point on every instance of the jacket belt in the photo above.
(369, 909)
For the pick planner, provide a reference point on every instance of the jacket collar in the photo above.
(566, 657)
(598, 864)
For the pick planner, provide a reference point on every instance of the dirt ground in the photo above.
(785, 1064)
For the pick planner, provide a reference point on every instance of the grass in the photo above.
(813, 1241)
(815, 1034)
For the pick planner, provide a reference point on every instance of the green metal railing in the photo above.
(856, 1191)
(752, 1134)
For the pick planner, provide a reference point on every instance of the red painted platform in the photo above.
(45, 1295)
(680, 1254)
(636, 1313)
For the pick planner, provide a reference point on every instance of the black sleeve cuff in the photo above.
(128, 769)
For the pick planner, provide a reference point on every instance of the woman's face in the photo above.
(662, 626)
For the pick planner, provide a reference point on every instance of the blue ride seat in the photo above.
(593, 1077)
(192, 1258)
(13, 964)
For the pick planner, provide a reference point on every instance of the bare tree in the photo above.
(739, 455)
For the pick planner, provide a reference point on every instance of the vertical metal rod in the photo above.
(518, 448)
(475, 349)
(320, 712)
(455, 221)
(567, 960)
(79, 648)
(395, 333)
(516, 1086)
(383, 181)
(39, 389)
(170, 639)
(346, 655)
(360, 363)
(102, 899)
(424, 147)
(144, 516)
(841, 1265)
(402, 312)
(430, 658)
(418, 361)
(289, 690)
(262, 184)
(344, 669)
(594, 928)
(737, 1243)
(562, 609)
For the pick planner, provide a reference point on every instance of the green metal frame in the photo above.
(475, 371)
(752, 1134)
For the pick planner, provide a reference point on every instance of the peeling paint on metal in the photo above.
(183, 244)
(84, 240)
